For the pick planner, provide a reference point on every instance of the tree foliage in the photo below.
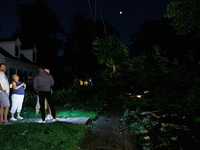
(168, 80)
(110, 51)
(169, 68)
(112, 54)
(186, 14)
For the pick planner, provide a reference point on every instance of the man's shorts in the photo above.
(4, 99)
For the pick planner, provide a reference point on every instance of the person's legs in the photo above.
(6, 113)
(49, 110)
(48, 107)
(42, 96)
(5, 105)
(2, 111)
(37, 107)
(12, 115)
(14, 105)
(1, 107)
(19, 107)
(50, 102)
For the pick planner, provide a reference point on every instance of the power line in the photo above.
(91, 9)
(102, 19)
(93, 18)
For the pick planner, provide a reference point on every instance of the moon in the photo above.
(120, 12)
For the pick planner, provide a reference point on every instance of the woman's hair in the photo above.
(13, 76)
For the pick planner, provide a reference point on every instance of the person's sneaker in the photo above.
(13, 119)
(49, 117)
(41, 121)
(20, 118)
(54, 120)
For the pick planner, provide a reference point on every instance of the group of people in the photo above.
(42, 84)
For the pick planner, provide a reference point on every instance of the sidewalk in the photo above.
(108, 132)
(73, 120)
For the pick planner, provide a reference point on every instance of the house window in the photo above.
(30, 76)
(16, 51)
(33, 56)
(24, 76)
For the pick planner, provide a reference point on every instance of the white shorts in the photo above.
(17, 101)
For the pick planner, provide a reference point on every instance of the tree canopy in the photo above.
(110, 51)
(40, 27)
(186, 14)
(152, 32)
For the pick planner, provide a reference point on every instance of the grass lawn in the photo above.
(61, 112)
(55, 136)
(35, 136)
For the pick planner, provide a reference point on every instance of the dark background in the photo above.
(133, 13)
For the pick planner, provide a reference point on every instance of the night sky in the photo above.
(133, 13)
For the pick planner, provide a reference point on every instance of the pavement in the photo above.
(108, 132)
(73, 120)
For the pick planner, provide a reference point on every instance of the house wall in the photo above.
(1, 58)
(9, 47)
(26, 71)
(28, 53)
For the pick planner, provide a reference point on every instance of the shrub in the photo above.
(30, 99)
(65, 95)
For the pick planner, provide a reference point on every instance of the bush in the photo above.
(65, 95)
(30, 99)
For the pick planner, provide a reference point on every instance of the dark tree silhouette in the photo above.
(152, 32)
(41, 27)
(79, 49)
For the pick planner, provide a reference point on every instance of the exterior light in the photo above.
(81, 82)
(85, 83)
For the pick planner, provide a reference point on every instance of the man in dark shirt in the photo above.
(42, 84)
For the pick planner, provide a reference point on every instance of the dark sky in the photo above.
(133, 13)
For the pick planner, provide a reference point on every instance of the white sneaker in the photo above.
(13, 119)
(20, 118)
(54, 120)
(49, 117)
(41, 121)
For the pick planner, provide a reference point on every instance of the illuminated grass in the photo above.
(63, 111)
(35, 136)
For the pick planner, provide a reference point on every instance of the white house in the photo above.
(19, 60)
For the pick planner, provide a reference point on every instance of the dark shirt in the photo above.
(43, 82)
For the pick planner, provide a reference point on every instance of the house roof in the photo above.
(22, 47)
(22, 57)
(7, 39)
(28, 48)
(10, 40)
(5, 53)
